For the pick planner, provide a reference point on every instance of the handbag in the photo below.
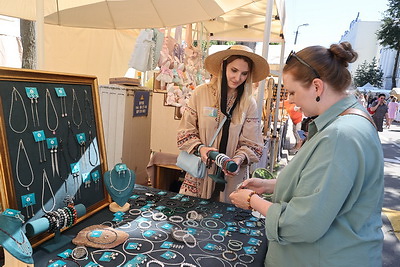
(193, 164)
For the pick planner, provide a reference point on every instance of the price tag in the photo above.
(167, 226)
(52, 143)
(168, 255)
(58, 263)
(65, 254)
(96, 233)
(95, 176)
(28, 200)
(11, 212)
(31, 92)
(120, 167)
(210, 246)
(85, 177)
(136, 261)
(107, 256)
(149, 233)
(81, 137)
(39, 136)
(167, 244)
(132, 245)
(254, 241)
(75, 167)
(60, 91)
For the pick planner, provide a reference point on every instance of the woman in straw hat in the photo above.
(229, 94)
(326, 204)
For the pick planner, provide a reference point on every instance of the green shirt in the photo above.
(328, 199)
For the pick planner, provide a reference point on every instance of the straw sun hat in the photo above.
(260, 66)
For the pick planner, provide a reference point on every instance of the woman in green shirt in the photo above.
(326, 204)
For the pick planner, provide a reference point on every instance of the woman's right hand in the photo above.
(204, 152)
(261, 186)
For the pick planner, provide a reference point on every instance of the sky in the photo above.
(328, 20)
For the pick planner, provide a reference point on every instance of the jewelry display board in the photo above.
(51, 143)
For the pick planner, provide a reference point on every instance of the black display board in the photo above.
(52, 143)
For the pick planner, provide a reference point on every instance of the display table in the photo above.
(214, 234)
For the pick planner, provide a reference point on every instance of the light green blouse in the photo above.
(328, 199)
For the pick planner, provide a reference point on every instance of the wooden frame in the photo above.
(11, 189)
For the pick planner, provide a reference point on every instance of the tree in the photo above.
(28, 40)
(388, 34)
(368, 73)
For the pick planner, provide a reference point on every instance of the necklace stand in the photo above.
(114, 207)
(14, 241)
(9, 261)
(119, 184)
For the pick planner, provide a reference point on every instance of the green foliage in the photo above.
(388, 34)
(368, 73)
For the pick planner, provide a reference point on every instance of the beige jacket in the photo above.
(200, 120)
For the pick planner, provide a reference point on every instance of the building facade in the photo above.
(362, 36)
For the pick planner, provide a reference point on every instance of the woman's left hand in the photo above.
(239, 198)
(238, 161)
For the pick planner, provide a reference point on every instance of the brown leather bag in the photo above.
(358, 112)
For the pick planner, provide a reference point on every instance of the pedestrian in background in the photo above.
(380, 110)
(296, 116)
(393, 108)
(326, 203)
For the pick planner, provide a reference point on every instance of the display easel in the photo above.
(56, 107)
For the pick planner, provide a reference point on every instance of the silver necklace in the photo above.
(75, 99)
(33, 95)
(21, 146)
(24, 246)
(48, 97)
(92, 144)
(127, 186)
(46, 180)
(62, 95)
(14, 95)
(52, 143)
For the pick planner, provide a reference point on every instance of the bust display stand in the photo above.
(16, 245)
(41, 225)
(119, 183)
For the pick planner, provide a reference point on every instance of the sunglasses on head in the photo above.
(293, 55)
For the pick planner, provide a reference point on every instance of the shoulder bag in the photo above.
(193, 164)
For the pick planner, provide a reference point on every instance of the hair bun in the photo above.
(344, 53)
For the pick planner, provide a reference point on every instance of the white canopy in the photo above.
(121, 14)
(247, 23)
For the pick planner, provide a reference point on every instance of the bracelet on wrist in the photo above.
(198, 149)
(249, 199)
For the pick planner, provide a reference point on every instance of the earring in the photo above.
(318, 99)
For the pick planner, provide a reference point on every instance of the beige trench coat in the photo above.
(200, 120)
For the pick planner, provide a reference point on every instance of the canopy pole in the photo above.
(275, 138)
(40, 34)
(267, 33)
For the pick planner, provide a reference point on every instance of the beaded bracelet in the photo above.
(249, 198)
